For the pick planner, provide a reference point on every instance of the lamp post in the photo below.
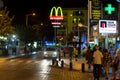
(89, 17)
(27, 15)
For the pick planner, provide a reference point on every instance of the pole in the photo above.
(27, 15)
(79, 40)
(55, 34)
(89, 17)
(66, 35)
(106, 41)
(26, 20)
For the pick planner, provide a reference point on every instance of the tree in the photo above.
(33, 33)
(6, 23)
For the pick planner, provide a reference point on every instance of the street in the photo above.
(35, 68)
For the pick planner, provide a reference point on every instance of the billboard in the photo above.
(107, 26)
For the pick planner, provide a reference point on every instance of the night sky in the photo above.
(42, 8)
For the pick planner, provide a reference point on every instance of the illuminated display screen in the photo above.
(107, 26)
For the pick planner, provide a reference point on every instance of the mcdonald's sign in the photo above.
(56, 13)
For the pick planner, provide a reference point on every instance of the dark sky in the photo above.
(42, 8)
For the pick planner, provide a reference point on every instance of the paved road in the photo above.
(35, 68)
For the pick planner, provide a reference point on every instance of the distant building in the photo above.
(73, 17)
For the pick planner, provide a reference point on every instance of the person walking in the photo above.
(89, 57)
(97, 62)
(116, 66)
(64, 52)
(75, 52)
(107, 57)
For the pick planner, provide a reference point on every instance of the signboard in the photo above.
(56, 16)
(96, 10)
(107, 26)
(109, 9)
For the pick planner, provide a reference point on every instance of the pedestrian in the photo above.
(107, 61)
(75, 52)
(89, 57)
(116, 66)
(97, 62)
(76, 55)
(64, 51)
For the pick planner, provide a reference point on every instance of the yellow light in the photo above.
(33, 14)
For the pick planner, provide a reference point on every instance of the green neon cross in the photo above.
(109, 8)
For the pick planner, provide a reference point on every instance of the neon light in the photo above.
(56, 26)
(57, 23)
(109, 8)
(56, 16)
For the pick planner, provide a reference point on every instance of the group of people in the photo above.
(103, 60)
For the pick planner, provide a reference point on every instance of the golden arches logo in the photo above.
(56, 15)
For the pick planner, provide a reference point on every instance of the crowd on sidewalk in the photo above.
(102, 61)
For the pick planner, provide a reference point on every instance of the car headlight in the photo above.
(55, 53)
(45, 52)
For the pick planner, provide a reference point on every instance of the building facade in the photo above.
(75, 19)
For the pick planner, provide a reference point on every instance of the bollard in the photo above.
(53, 61)
(62, 64)
(83, 67)
(56, 62)
(70, 65)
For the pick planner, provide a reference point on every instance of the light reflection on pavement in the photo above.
(37, 69)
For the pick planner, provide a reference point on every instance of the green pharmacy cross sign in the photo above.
(109, 9)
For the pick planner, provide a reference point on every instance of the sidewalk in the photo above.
(77, 66)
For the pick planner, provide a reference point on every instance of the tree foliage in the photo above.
(6, 22)
(33, 33)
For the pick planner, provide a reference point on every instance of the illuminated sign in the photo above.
(56, 16)
(56, 13)
(57, 26)
(96, 14)
(118, 0)
(56, 23)
(96, 10)
(107, 26)
(109, 9)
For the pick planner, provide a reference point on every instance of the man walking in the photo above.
(97, 63)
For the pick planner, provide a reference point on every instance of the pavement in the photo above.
(76, 71)
(77, 66)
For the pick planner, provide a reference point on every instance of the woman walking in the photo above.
(116, 66)
(107, 57)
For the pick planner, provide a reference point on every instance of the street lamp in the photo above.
(89, 17)
(27, 15)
